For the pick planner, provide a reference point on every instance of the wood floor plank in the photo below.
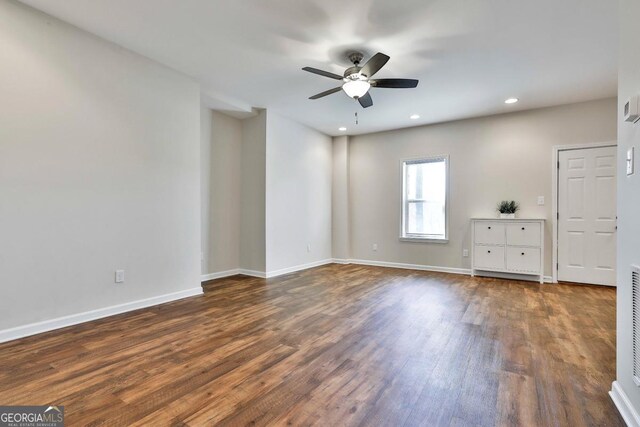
(334, 345)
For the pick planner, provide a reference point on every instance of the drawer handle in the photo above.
(488, 252)
(489, 228)
(523, 228)
(522, 253)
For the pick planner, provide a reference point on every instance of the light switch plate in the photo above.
(540, 200)
(630, 160)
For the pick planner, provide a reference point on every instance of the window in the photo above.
(424, 199)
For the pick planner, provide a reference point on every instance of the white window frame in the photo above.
(404, 202)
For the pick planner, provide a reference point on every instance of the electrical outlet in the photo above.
(540, 200)
(374, 247)
(465, 253)
(119, 276)
(309, 247)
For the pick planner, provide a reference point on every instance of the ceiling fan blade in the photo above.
(322, 73)
(395, 83)
(326, 92)
(366, 100)
(374, 64)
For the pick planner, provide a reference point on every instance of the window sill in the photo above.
(422, 240)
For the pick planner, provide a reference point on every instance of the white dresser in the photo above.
(513, 246)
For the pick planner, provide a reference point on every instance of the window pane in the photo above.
(426, 198)
(426, 218)
(426, 181)
(414, 181)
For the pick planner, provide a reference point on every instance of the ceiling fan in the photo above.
(357, 80)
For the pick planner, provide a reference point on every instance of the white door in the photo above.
(587, 216)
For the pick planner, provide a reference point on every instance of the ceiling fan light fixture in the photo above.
(356, 88)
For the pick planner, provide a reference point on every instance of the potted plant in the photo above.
(508, 209)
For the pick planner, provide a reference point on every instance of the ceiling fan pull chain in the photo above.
(356, 117)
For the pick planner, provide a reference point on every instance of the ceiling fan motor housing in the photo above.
(353, 73)
(355, 57)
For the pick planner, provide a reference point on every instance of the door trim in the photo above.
(554, 195)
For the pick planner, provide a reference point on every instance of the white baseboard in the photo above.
(262, 274)
(421, 267)
(234, 272)
(74, 319)
(283, 271)
(276, 273)
(434, 268)
(624, 405)
(513, 276)
(253, 273)
(219, 275)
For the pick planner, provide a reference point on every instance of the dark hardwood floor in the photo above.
(334, 345)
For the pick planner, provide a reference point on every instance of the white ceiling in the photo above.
(470, 55)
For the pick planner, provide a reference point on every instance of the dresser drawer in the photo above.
(523, 260)
(488, 257)
(489, 233)
(523, 234)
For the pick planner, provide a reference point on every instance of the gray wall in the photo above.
(221, 186)
(266, 193)
(252, 193)
(492, 158)
(99, 170)
(298, 194)
(340, 199)
(628, 195)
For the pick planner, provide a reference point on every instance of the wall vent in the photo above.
(635, 299)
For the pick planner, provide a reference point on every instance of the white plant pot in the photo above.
(507, 216)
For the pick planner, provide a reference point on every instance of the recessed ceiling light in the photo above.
(511, 101)
(414, 116)
(342, 129)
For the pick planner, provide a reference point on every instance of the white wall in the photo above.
(99, 170)
(298, 194)
(492, 158)
(221, 187)
(206, 141)
(628, 196)
(252, 193)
